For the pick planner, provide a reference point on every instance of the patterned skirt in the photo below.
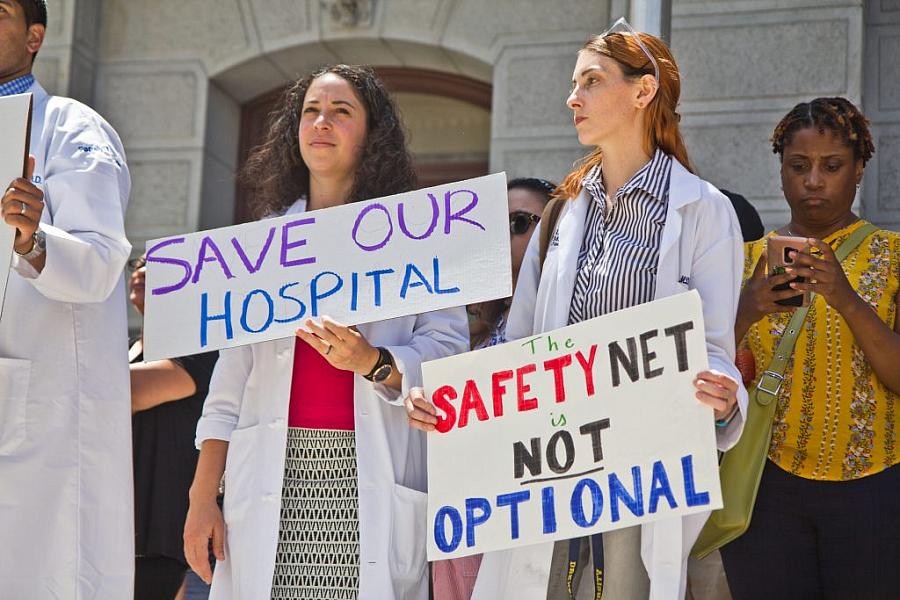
(318, 542)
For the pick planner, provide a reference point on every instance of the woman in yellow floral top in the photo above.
(827, 516)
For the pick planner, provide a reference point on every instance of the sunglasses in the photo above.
(622, 27)
(520, 222)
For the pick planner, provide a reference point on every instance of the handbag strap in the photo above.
(770, 381)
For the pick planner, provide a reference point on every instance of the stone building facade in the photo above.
(176, 77)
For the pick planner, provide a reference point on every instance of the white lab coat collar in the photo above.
(684, 189)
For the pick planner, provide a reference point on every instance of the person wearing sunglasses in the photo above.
(639, 225)
(527, 196)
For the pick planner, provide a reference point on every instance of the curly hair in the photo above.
(838, 115)
(275, 176)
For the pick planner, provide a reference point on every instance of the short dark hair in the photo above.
(35, 12)
(539, 186)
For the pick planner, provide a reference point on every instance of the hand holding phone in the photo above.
(778, 250)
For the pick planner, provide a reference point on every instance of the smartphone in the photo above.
(779, 250)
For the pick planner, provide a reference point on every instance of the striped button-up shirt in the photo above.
(620, 251)
(19, 85)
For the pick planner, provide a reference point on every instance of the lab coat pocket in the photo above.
(15, 375)
(240, 475)
(408, 533)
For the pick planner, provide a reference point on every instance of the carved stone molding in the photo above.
(350, 13)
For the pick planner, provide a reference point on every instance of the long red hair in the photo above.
(661, 118)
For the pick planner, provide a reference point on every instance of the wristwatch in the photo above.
(38, 246)
(383, 368)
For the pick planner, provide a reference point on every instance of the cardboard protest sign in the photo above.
(585, 429)
(406, 254)
(15, 129)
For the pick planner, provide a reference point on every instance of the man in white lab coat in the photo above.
(66, 517)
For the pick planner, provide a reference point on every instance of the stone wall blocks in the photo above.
(883, 12)
(361, 50)
(251, 78)
(882, 177)
(424, 21)
(478, 23)
(130, 94)
(165, 193)
(531, 83)
(683, 8)
(883, 72)
(275, 20)
(422, 56)
(208, 30)
(547, 157)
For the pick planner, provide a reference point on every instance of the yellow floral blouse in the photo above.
(834, 419)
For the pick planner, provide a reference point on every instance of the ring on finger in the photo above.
(24, 209)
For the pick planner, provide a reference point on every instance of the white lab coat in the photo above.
(700, 249)
(66, 515)
(247, 406)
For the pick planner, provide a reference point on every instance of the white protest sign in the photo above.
(406, 254)
(15, 120)
(585, 429)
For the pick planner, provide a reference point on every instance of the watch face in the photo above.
(382, 373)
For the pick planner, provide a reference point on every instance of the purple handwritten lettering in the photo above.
(435, 213)
(359, 218)
(287, 245)
(458, 216)
(217, 257)
(165, 260)
(253, 268)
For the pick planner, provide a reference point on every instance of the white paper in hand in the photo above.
(15, 114)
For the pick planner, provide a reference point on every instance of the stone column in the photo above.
(64, 65)
(881, 186)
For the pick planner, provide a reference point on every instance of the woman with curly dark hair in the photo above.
(324, 486)
(276, 173)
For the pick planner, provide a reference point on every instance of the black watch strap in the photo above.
(384, 358)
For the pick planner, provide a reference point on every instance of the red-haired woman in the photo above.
(639, 225)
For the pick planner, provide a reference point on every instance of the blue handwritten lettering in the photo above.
(618, 492)
(456, 528)
(205, 317)
(512, 501)
(270, 311)
(473, 520)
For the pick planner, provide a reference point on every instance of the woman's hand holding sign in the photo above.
(420, 412)
(345, 348)
(717, 391)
